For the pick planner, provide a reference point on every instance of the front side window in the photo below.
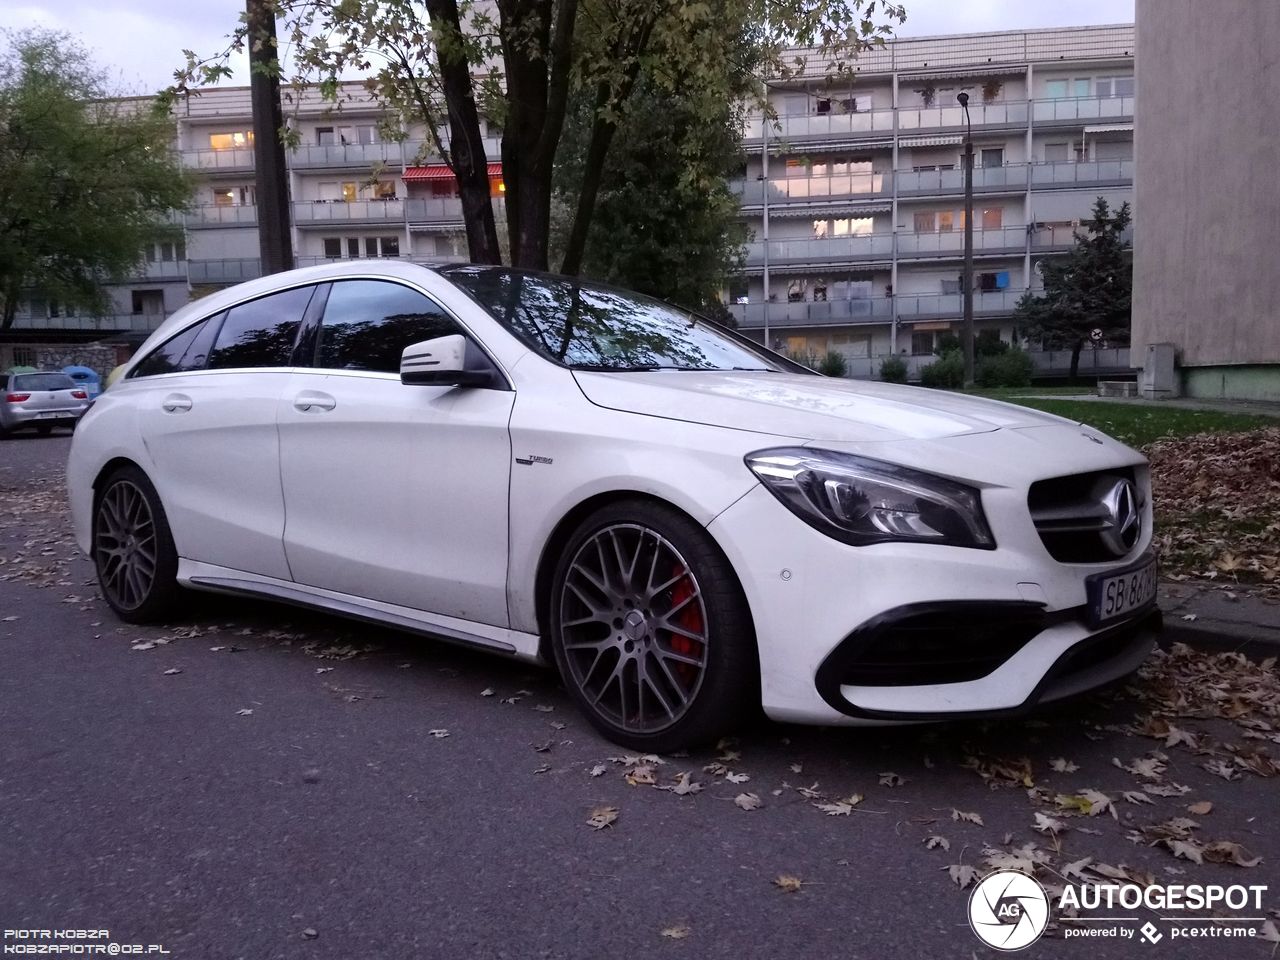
(183, 353)
(261, 333)
(368, 323)
(587, 326)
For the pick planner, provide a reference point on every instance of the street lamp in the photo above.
(967, 278)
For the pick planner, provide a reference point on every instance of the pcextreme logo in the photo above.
(1008, 910)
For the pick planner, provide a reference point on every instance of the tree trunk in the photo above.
(10, 309)
(1075, 359)
(470, 164)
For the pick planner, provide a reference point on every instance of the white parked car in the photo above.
(686, 525)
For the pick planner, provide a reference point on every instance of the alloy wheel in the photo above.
(633, 628)
(125, 545)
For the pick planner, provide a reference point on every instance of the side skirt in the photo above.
(215, 579)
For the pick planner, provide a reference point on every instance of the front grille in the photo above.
(1071, 516)
(953, 643)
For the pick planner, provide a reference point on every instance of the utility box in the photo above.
(1159, 379)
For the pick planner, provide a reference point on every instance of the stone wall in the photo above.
(96, 356)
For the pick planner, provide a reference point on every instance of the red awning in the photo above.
(441, 171)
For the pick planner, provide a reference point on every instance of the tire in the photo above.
(653, 640)
(133, 549)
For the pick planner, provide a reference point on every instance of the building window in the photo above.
(349, 191)
(993, 157)
(922, 343)
(822, 105)
(325, 136)
(992, 218)
(795, 291)
(24, 356)
(1115, 86)
(852, 227)
(1080, 87)
(1055, 152)
(821, 229)
(819, 291)
(385, 189)
(1055, 89)
(332, 247)
(946, 221)
(926, 222)
(797, 167)
(231, 141)
(738, 292)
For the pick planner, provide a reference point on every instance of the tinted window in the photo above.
(601, 328)
(43, 381)
(261, 333)
(368, 323)
(187, 351)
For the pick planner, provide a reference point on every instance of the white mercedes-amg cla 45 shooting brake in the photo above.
(683, 523)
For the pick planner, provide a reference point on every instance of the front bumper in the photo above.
(814, 600)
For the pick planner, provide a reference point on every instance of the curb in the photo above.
(1217, 636)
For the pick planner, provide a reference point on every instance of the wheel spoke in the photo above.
(127, 549)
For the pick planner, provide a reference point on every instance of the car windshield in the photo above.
(590, 327)
(43, 381)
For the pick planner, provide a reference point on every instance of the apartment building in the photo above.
(854, 199)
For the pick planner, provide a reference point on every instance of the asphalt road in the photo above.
(331, 822)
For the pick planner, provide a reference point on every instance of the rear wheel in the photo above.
(650, 629)
(133, 549)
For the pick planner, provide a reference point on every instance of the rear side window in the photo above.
(368, 323)
(43, 381)
(261, 333)
(187, 351)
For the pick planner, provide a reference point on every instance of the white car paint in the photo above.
(409, 504)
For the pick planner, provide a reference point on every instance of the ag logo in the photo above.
(1008, 910)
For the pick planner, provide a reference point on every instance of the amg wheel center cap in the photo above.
(636, 625)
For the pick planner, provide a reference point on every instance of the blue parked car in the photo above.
(88, 380)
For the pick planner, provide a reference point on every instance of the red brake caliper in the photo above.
(691, 619)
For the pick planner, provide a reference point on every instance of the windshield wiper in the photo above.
(614, 368)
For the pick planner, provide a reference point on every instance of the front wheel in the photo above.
(650, 629)
(133, 549)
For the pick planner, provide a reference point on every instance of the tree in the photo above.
(665, 222)
(1090, 288)
(86, 181)
(447, 63)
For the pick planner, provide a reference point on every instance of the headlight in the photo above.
(863, 501)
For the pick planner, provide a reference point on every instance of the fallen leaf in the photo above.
(747, 801)
(244, 712)
(891, 779)
(487, 692)
(736, 777)
(787, 883)
(598, 770)
(1225, 851)
(962, 817)
(601, 817)
(1049, 825)
(683, 786)
(543, 707)
(797, 768)
(962, 874)
(1063, 765)
(438, 734)
(641, 776)
(676, 933)
(1075, 868)
(935, 841)
(172, 671)
(1136, 796)
(1201, 808)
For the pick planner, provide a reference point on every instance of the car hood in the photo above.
(800, 406)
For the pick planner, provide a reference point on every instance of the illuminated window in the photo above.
(231, 141)
(349, 191)
(992, 218)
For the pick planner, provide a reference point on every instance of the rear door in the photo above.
(208, 420)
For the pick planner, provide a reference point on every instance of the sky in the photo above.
(139, 42)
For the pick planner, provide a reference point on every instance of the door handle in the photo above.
(176, 403)
(310, 400)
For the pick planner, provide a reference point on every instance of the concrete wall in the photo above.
(1207, 149)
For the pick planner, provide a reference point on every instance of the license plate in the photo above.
(1116, 595)
(50, 415)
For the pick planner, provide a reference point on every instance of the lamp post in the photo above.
(967, 278)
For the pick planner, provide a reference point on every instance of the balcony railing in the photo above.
(951, 243)
(444, 209)
(842, 187)
(1003, 112)
(1084, 172)
(240, 158)
(121, 322)
(222, 215)
(793, 126)
(985, 303)
(1082, 108)
(819, 313)
(985, 180)
(347, 154)
(871, 246)
(163, 270)
(224, 271)
(339, 211)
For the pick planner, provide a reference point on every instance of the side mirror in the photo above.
(451, 361)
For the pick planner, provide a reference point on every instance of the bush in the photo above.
(946, 373)
(947, 343)
(1009, 369)
(833, 365)
(893, 370)
(989, 344)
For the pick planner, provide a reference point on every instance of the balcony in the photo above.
(1006, 240)
(820, 125)
(112, 323)
(820, 313)
(218, 161)
(1082, 173)
(322, 212)
(986, 303)
(854, 186)
(951, 116)
(223, 271)
(162, 270)
(221, 215)
(871, 246)
(985, 180)
(312, 155)
(1075, 109)
(429, 210)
